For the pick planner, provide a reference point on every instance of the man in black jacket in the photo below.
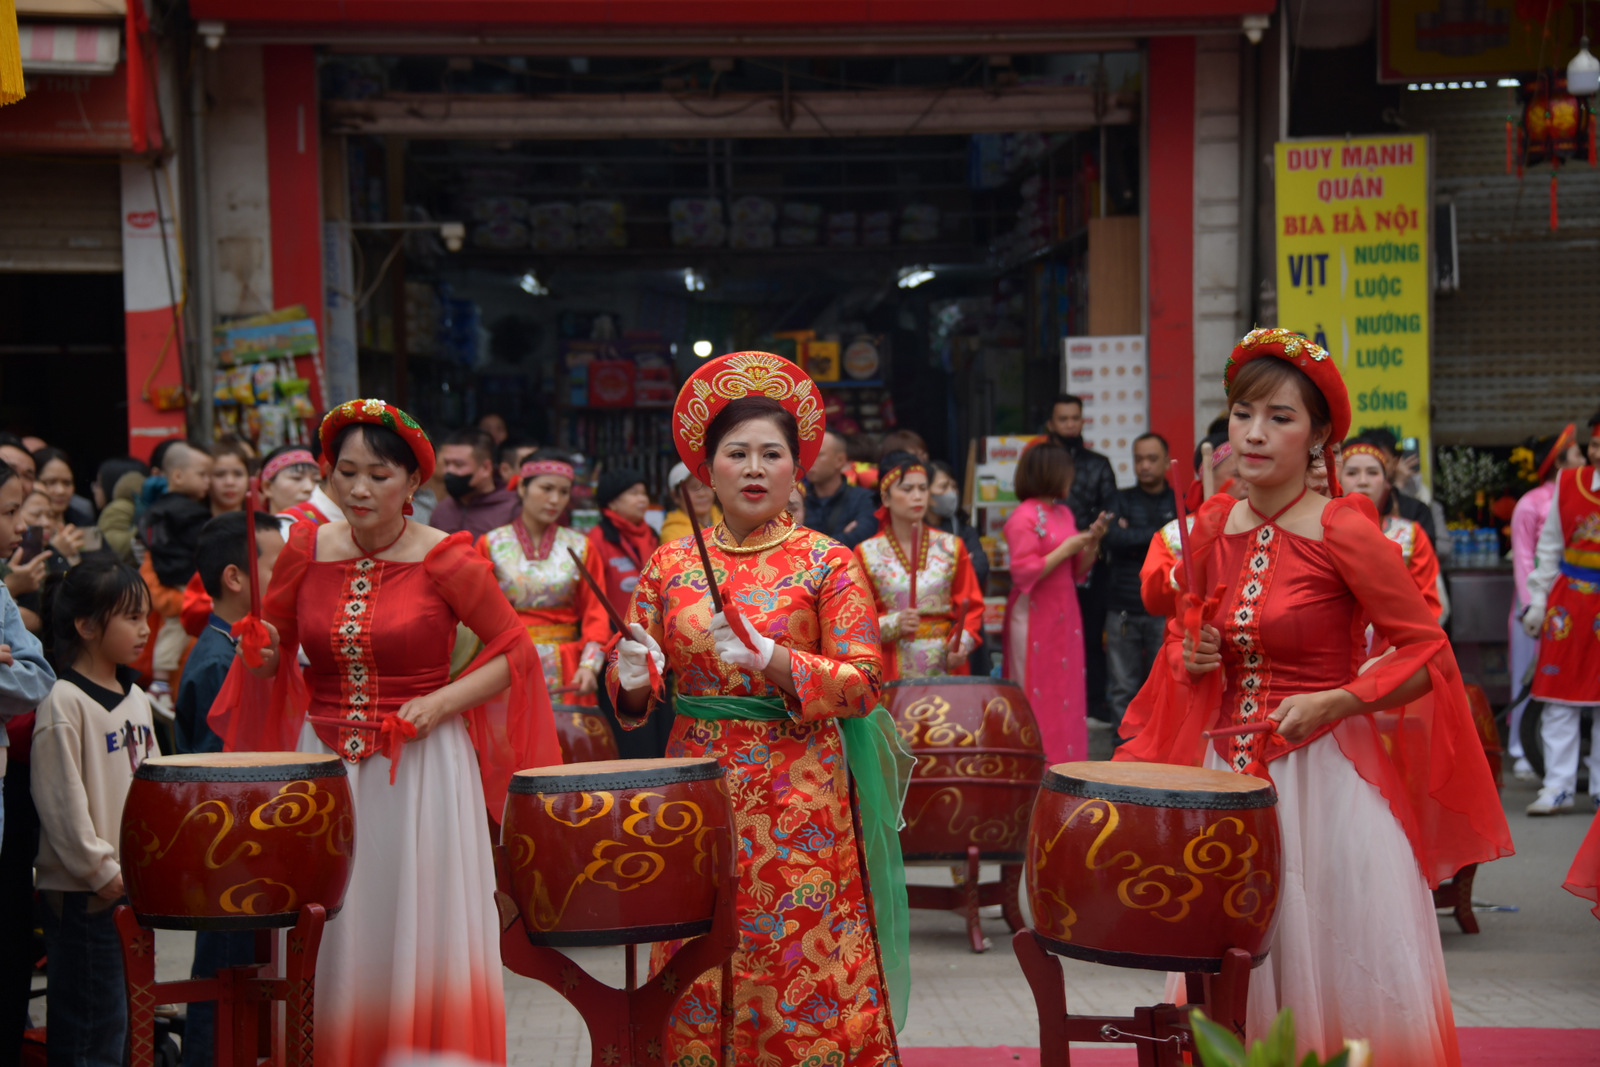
(1094, 489)
(1133, 636)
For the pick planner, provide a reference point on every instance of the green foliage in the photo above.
(1463, 473)
(1219, 1048)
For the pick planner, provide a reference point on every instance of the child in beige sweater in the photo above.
(91, 734)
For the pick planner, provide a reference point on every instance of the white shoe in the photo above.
(1523, 771)
(1551, 803)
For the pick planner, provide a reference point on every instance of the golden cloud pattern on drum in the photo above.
(1222, 853)
(656, 825)
(259, 896)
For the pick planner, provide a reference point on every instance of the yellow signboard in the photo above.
(1354, 272)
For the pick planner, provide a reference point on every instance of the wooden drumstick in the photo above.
(700, 543)
(594, 586)
(250, 548)
(1266, 726)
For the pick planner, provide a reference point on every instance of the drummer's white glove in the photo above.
(1533, 620)
(633, 669)
(734, 651)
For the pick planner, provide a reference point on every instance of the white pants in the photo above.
(1558, 729)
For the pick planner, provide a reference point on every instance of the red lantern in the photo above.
(1553, 127)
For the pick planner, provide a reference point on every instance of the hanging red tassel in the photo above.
(1555, 220)
(1509, 151)
(1589, 116)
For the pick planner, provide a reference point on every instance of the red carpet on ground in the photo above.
(1481, 1046)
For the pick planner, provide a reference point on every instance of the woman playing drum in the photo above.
(414, 961)
(930, 623)
(533, 560)
(773, 686)
(1367, 826)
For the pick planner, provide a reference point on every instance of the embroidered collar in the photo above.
(530, 551)
(900, 552)
(773, 534)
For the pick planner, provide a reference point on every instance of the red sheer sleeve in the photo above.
(1426, 757)
(966, 596)
(514, 729)
(1425, 569)
(254, 714)
(1584, 877)
(1165, 721)
(1155, 578)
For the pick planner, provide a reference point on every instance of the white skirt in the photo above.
(1357, 952)
(413, 959)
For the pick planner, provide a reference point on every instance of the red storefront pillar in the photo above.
(1170, 219)
(294, 183)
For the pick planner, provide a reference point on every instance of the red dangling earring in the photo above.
(407, 510)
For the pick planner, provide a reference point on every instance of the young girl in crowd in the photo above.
(92, 732)
(230, 476)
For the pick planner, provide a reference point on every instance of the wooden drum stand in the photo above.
(1161, 1034)
(244, 1024)
(626, 1025)
(622, 852)
(967, 896)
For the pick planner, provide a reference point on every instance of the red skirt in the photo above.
(1569, 645)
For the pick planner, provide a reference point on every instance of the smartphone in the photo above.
(1410, 446)
(32, 542)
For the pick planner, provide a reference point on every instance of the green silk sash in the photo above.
(881, 768)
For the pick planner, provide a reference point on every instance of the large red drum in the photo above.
(236, 840)
(619, 852)
(1154, 866)
(584, 734)
(979, 762)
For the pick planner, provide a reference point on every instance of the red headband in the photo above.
(298, 457)
(1220, 453)
(1363, 448)
(379, 413)
(536, 467)
(1564, 441)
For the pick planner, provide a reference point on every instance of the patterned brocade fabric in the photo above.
(947, 596)
(809, 986)
(566, 624)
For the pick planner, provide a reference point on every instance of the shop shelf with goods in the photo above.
(614, 406)
(262, 388)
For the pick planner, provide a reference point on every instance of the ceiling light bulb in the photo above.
(702, 349)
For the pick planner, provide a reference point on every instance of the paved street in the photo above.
(1537, 966)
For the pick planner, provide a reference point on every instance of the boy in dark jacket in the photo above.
(170, 530)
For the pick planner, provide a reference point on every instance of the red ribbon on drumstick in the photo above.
(250, 630)
(736, 622)
(621, 626)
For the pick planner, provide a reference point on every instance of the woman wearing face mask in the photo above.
(937, 633)
(781, 688)
(375, 602)
(622, 539)
(1362, 469)
(944, 513)
(706, 508)
(1368, 823)
(532, 560)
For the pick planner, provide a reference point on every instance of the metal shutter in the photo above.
(1517, 350)
(60, 217)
